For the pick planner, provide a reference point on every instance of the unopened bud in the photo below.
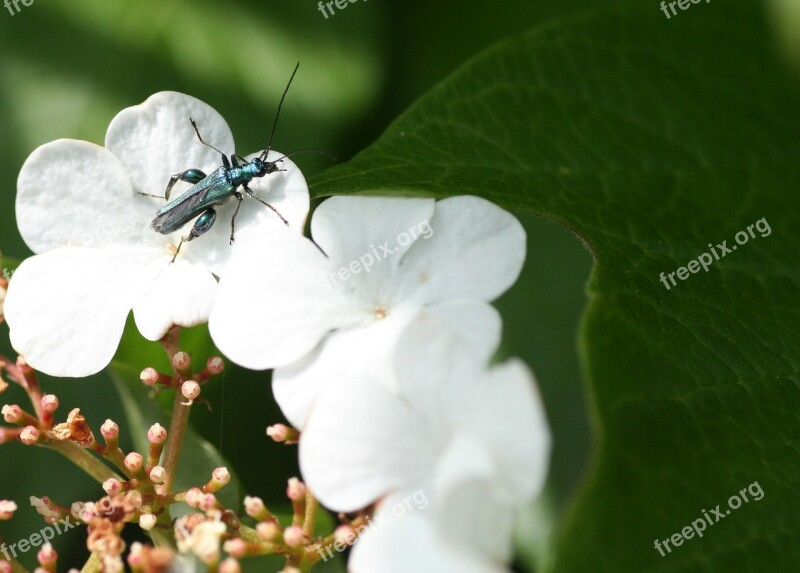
(29, 436)
(181, 361)
(50, 403)
(296, 490)
(7, 509)
(215, 365)
(293, 536)
(157, 434)
(255, 508)
(11, 413)
(147, 521)
(158, 474)
(112, 486)
(149, 376)
(109, 430)
(47, 556)
(134, 462)
(221, 477)
(268, 530)
(235, 548)
(194, 497)
(190, 390)
(282, 433)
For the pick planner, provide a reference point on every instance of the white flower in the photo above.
(474, 439)
(315, 324)
(97, 257)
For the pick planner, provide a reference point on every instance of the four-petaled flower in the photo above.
(80, 208)
(317, 326)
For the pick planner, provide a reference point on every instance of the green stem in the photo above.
(311, 514)
(177, 430)
(93, 565)
(84, 459)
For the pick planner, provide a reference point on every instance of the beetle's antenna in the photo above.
(278, 113)
(327, 154)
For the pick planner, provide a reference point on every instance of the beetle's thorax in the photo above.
(243, 174)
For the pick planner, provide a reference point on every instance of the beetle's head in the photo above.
(264, 167)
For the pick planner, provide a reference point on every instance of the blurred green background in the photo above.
(68, 66)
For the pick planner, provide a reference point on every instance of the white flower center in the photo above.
(380, 312)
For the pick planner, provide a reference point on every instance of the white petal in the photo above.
(344, 354)
(182, 294)
(498, 406)
(365, 442)
(409, 543)
(476, 324)
(370, 349)
(74, 193)
(514, 423)
(287, 191)
(67, 308)
(155, 140)
(368, 236)
(476, 251)
(469, 515)
(276, 302)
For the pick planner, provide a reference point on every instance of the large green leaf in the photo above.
(649, 138)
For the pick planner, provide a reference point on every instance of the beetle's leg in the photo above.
(197, 131)
(253, 195)
(189, 176)
(203, 223)
(239, 199)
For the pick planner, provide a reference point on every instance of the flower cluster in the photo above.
(385, 371)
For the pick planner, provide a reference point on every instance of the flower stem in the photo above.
(172, 450)
(84, 459)
(311, 514)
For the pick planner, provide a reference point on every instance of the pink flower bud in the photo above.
(134, 462)
(181, 361)
(190, 390)
(11, 413)
(208, 501)
(215, 365)
(112, 486)
(47, 555)
(293, 536)
(221, 476)
(194, 497)
(254, 506)
(296, 490)
(50, 403)
(7, 509)
(109, 430)
(29, 436)
(157, 434)
(235, 548)
(158, 474)
(149, 376)
(268, 530)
